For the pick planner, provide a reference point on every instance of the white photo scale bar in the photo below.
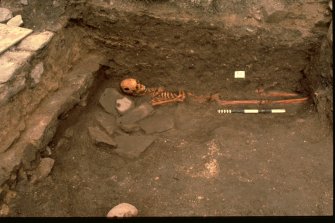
(250, 111)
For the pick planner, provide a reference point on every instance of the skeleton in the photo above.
(160, 96)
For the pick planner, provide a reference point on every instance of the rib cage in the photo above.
(153, 92)
(161, 96)
(167, 97)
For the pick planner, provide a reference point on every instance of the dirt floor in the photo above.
(208, 164)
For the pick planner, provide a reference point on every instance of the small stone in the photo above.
(257, 15)
(83, 100)
(132, 146)
(36, 42)
(48, 151)
(55, 3)
(16, 21)
(63, 143)
(37, 72)
(330, 4)
(13, 177)
(100, 138)
(22, 175)
(24, 2)
(124, 104)
(4, 210)
(68, 133)
(200, 197)
(108, 100)
(10, 195)
(43, 169)
(137, 114)
(106, 121)
(5, 15)
(123, 210)
(159, 122)
(330, 34)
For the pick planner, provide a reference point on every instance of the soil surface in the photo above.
(208, 163)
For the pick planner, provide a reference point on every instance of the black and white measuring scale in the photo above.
(250, 111)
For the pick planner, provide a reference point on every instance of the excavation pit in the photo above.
(182, 158)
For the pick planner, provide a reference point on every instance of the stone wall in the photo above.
(41, 77)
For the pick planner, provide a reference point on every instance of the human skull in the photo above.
(132, 86)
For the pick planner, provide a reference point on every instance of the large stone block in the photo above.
(106, 121)
(7, 91)
(100, 138)
(36, 42)
(16, 21)
(159, 122)
(11, 62)
(5, 14)
(132, 146)
(108, 100)
(11, 35)
(137, 114)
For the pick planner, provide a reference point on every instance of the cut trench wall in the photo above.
(319, 78)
